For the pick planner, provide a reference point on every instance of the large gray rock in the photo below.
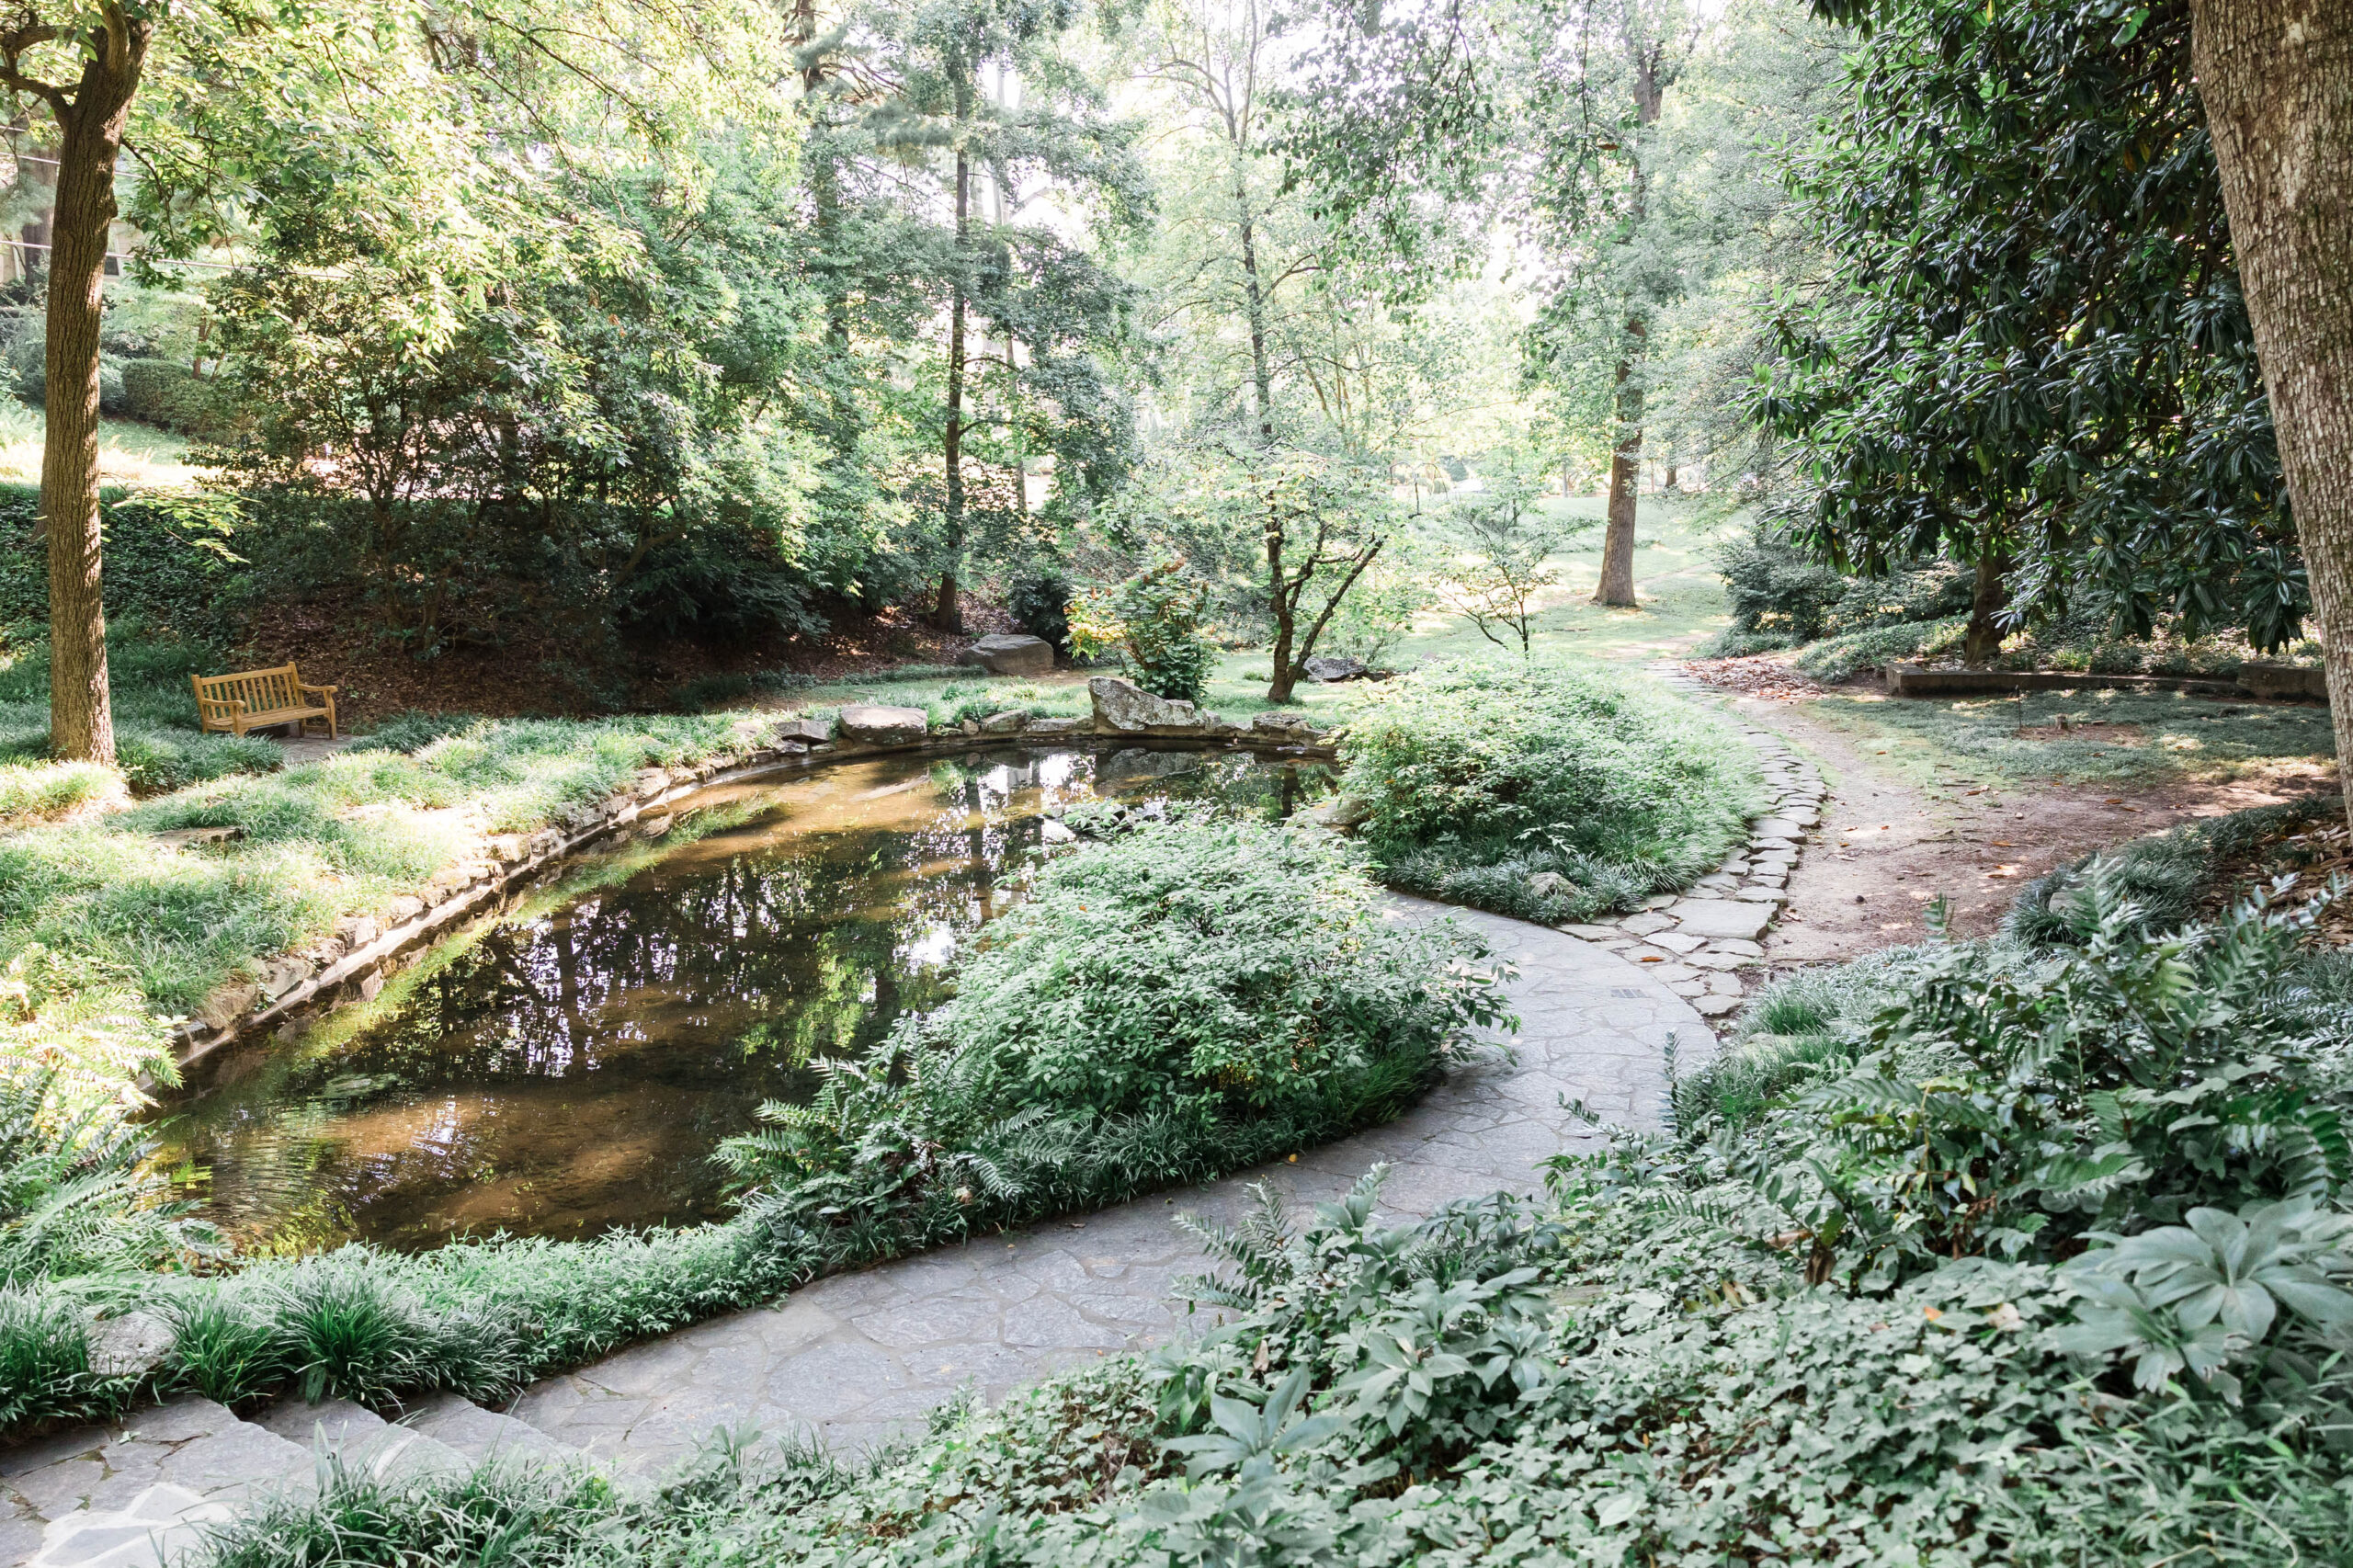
(880, 726)
(1331, 667)
(1010, 654)
(1126, 709)
(814, 731)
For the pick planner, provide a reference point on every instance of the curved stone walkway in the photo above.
(852, 1359)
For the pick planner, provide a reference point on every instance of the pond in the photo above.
(568, 1066)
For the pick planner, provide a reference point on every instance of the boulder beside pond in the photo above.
(1126, 708)
(880, 726)
(1329, 668)
(1009, 653)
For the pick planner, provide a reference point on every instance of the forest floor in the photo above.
(1970, 799)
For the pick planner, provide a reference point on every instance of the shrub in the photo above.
(167, 393)
(1730, 643)
(1770, 589)
(1932, 591)
(1040, 604)
(1193, 997)
(2168, 876)
(1481, 779)
(1843, 657)
(1153, 621)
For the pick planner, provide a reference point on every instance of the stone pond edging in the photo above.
(352, 964)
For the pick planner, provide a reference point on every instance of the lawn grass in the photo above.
(2140, 740)
(343, 835)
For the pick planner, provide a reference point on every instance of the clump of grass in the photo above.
(39, 791)
(412, 729)
(47, 1370)
(344, 834)
(514, 1515)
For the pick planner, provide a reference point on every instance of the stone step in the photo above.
(136, 1494)
(133, 1493)
(486, 1434)
(365, 1440)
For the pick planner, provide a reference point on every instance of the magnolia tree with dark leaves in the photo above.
(2032, 352)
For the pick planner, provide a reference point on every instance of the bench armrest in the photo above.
(322, 690)
(227, 707)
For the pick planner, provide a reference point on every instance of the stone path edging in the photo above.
(1703, 943)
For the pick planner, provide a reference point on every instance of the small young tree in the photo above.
(1502, 543)
(1153, 622)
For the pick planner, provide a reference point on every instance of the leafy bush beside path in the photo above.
(1550, 792)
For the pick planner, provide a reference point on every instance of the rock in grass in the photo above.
(880, 726)
(1552, 884)
(1009, 653)
(1329, 668)
(1125, 708)
(1003, 723)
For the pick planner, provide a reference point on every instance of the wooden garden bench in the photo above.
(261, 699)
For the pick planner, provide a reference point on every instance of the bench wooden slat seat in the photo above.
(261, 699)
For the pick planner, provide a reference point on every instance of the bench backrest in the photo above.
(262, 691)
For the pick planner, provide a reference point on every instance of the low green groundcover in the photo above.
(1550, 792)
(2003, 1256)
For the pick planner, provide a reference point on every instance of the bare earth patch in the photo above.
(1886, 849)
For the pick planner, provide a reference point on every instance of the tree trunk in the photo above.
(948, 614)
(2276, 80)
(1286, 613)
(1983, 638)
(1261, 375)
(1625, 474)
(81, 722)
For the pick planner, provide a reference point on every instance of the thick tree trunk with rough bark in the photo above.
(2276, 80)
(1983, 638)
(1625, 476)
(91, 117)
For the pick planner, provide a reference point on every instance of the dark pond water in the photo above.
(570, 1067)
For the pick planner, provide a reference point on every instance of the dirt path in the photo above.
(1886, 849)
